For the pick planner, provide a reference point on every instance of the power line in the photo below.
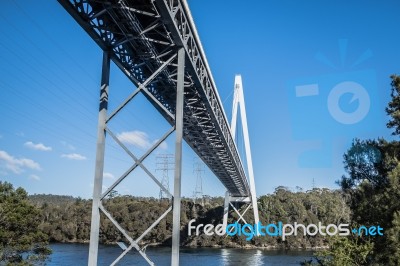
(53, 41)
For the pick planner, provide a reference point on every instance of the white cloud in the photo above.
(73, 156)
(108, 175)
(136, 138)
(139, 139)
(37, 147)
(17, 165)
(34, 177)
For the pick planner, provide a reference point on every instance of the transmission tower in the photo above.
(198, 170)
(164, 163)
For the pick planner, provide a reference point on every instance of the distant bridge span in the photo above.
(155, 44)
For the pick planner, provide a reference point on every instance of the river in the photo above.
(77, 254)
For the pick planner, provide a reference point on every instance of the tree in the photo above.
(346, 251)
(372, 184)
(21, 242)
(363, 162)
(393, 108)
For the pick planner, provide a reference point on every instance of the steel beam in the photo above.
(176, 222)
(226, 210)
(100, 149)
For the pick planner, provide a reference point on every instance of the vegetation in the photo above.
(372, 187)
(21, 241)
(318, 205)
(66, 219)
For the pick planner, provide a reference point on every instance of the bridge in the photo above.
(156, 45)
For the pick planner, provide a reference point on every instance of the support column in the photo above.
(243, 116)
(226, 210)
(238, 99)
(100, 149)
(176, 222)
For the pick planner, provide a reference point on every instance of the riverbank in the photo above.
(228, 246)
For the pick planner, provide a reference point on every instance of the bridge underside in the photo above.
(143, 35)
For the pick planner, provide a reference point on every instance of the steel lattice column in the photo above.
(98, 195)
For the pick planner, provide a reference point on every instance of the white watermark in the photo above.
(281, 229)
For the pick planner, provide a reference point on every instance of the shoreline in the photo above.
(272, 248)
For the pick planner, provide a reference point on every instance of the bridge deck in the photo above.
(142, 35)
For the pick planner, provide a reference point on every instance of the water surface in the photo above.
(77, 254)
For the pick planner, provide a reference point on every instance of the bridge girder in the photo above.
(140, 36)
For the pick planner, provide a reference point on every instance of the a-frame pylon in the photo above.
(238, 101)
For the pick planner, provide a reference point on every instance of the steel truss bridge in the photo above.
(156, 45)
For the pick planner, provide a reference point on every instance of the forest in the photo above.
(67, 219)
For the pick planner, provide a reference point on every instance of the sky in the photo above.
(315, 76)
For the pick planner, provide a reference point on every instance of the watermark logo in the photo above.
(358, 93)
(280, 229)
(337, 105)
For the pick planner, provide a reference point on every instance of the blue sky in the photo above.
(315, 75)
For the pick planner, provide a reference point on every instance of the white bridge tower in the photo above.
(238, 101)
